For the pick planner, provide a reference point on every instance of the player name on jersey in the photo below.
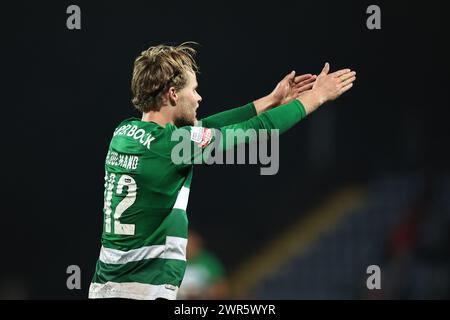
(144, 137)
(125, 161)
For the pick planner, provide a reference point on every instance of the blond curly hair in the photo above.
(157, 69)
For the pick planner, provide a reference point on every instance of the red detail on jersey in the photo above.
(206, 137)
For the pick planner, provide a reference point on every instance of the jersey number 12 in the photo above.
(127, 201)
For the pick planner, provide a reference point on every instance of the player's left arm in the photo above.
(286, 91)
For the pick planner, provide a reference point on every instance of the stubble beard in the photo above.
(186, 119)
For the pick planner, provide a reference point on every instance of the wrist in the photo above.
(265, 103)
(319, 97)
(311, 100)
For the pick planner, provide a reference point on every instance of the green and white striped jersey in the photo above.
(143, 253)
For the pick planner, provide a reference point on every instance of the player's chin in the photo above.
(185, 121)
(194, 119)
(191, 122)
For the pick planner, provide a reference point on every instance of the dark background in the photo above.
(64, 91)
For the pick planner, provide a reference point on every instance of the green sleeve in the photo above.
(282, 118)
(193, 145)
(229, 117)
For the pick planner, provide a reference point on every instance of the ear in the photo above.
(172, 95)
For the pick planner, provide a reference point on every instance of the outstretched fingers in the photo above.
(348, 81)
(302, 78)
(305, 82)
(304, 87)
(347, 75)
(346, 88)
(340, 73)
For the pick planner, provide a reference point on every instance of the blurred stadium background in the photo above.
(363, 181)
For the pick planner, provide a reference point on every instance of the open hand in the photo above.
(329, 86)
(291, 86)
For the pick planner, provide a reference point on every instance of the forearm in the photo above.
(282, 119)
(264, 104)
(231, 116)
(239, 114)
(311, 100)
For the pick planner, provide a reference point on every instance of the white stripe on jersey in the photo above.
(175, 248)
(182, 199)
(132, 290)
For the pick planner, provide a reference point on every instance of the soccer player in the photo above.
(143, 252)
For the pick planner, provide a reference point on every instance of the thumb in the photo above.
(291, 76)
(325, 69)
